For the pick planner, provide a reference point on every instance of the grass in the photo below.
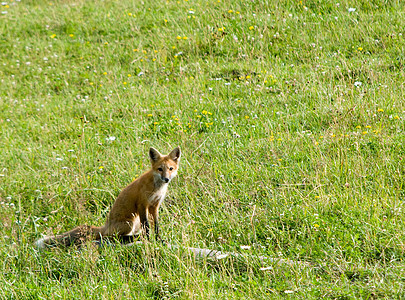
(290, 115)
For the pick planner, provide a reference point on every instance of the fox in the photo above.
(129, 213)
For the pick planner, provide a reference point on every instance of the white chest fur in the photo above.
(158, 195)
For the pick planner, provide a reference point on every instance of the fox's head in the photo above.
(164, 166)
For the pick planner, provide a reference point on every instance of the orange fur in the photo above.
(129, 214)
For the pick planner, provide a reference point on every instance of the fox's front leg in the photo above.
(143, 217)
(154, 211)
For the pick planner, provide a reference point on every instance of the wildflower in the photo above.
(53, 36)
(358, 127)
(220, 29)
(178, 37)
(248, 77)
(360, 48)
(165, 20)
(368, 126)
(380, 110)
(246, 117)
(316, 225)
(396, 117)
(150, 115)
(71, 35)
(230, 11)
(251, 27)
(129, 14)
(357, 84)
(185, 38)
(135, 50)
(351, 9)
(105, 73)
(364, 132)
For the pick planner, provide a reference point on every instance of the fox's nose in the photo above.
(166, 180)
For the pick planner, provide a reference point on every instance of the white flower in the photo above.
(111, 138)
(227, 83)
(351, 9)
(357, 84)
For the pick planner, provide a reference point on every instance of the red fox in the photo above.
(129, 214)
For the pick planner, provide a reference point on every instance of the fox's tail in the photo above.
(76, 236)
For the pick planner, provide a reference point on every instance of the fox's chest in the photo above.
(158, 196)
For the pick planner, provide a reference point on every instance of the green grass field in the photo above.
(290, 117)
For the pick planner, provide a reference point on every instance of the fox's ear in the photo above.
(175, 154)
(154, 155)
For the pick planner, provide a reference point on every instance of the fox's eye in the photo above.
(160, 169)
(171, 168)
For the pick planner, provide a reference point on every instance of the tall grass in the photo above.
(290, 115)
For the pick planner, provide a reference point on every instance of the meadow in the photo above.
(290, 117)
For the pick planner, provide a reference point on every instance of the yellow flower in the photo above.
(246, 117)
(129, 14)
(105, 73)
(251, 27)
(230, 11)
(185, 38)
(380, 110)
(150, 115)
(396, 117)
(368, 126)
(220, 29)
(360, 48)
(53, 36)
(124, 82)
(178, 37)
(165, 20)
(129, 75)
(248, 77)
(173, 47)
(71, 35)
(316, 225)
(364, 132)
(135, 50)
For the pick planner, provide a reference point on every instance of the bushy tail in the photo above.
(76, 236)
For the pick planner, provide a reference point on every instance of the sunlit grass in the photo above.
(290, 116)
